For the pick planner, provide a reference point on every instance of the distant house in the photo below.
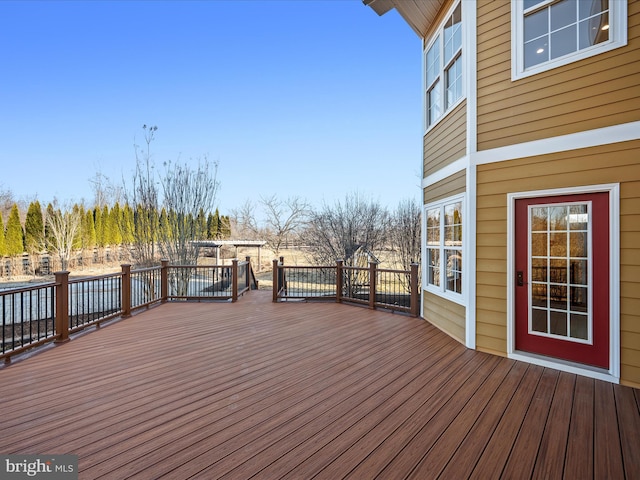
(531, 178)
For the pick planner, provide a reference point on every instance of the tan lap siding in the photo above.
(596, 92)
(452, 185)
(598, 165)
(446, 142)
(447, 316)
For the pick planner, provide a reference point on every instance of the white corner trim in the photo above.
(468, 267)
(588, 138)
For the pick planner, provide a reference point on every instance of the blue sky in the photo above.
(304, 98)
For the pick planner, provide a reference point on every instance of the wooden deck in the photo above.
(308, 390)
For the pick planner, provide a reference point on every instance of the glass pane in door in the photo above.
(559, 271)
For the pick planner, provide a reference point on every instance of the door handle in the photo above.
(520, 278)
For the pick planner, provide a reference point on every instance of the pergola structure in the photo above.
(217, 244)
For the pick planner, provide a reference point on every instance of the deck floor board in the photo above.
(307, 390)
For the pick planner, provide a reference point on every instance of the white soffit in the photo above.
(419, 14)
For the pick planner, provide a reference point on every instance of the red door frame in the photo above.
(597, 353)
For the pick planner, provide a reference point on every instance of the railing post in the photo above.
(283, 278)
(415, 294)
(339, 286)
(275, 281)
(234, 280)
(164, 281)
(126, 290)
(247, 273)
(62, 306)
(372, 284)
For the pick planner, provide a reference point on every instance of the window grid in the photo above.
(550, 33)
(444, 247)
(560, 272)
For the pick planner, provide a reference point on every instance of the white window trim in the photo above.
(441, 291)
(612, 374)
(427, 46)
(618, 38)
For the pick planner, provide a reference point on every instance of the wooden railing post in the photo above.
(283, 278)
(234, 280)
(164, 281)
(415, 294)
(247, 273)
(372, 284)
(62, 306)
(126, 290)
(339, 285)
(275, 281)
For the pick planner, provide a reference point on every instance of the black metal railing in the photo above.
(32, 316)
(94, 299)
(371, 286)
(28, 316)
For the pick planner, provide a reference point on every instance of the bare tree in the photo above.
(283, 218)
(7, 200)
(341, 230)
(244, 219)
(404, 237)
(187, 193)
(63, 229)
(105, 192)
(143, 197)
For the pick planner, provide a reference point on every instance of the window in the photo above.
(560, 270)
(550, 33)
(443, 68)
(444, 247)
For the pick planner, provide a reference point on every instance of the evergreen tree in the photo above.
(3, 247)
(78, 236)
(99, 226)
(116, 224)
(164, 227)
(34, 228)
(215, 231)
(127, 225)
(88, 230)
(201, 226)
(225, 227)
(48, 236)
(14, 234)
(107, 227)
(190, 226)
(210, 235)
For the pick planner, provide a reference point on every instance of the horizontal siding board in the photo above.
(630, 322)
(491, 265)
(446, 141)
(445, 314)
(491, 344)
(493, 331)
(493, 310)
(495, 279)
(628, 371)
(492, 291)
(633, 337)
(452, 185)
